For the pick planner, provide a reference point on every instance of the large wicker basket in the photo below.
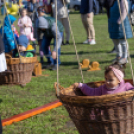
(19, 70)
(106, 114)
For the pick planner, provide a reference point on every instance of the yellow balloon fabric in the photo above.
(8, 11)
(13, 13)
(12, 10)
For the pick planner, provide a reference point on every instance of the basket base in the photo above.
(17, 74)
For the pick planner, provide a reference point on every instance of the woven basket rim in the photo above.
(19, 71)
(96, 99)
(22, 60)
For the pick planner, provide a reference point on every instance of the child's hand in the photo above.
(75, 85)
(54, 55)
(25, 25)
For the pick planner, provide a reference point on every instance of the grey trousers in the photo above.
(65, 23)
(121, 47)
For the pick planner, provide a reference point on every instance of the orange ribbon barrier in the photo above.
(30, 113)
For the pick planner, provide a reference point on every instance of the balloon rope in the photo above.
(57, 51)
(78, 60)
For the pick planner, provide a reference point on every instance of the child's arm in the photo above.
(20, 24)
(59, 36)
(124, 10)
(88, 90)
(129, 86)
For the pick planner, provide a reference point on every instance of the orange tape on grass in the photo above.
(30, 113)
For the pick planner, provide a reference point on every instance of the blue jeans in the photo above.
(45, 46)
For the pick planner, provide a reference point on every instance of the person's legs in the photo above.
(41, 52)
(57, 45)
(113, 50)
(61, 20)
(59, 51)
(66, 26)
(84, 22)
(118, 49)
(90, 28)
(45, 47)
(124, 45)
(101, 8)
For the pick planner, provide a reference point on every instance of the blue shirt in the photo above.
(86, 6)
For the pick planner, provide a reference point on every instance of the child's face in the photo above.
(111, 80)
(21, 48)
(24, 13)
(40, 13)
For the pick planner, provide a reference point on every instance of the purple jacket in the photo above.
(102, 90)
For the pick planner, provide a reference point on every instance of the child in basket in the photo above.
(25, 50)
(114, 77)
(25, 25)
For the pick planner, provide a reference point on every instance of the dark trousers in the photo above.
(101, 8)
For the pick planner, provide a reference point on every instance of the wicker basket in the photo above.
(18, 72)
(106, 114)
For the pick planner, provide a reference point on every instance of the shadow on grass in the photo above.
(82, 52)
(1, 101)
(77, 12)
(69, 63)
(132, 55)
(106, 61)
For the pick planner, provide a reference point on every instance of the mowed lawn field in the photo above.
(40, 91)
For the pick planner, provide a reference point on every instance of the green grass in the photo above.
(40, 90)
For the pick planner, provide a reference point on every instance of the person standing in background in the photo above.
(47, 28)
(62, 16)
(25, 25)
(87, 16)
(115, 27)
(101, 7)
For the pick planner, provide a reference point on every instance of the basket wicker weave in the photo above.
(106, 114)
(19, 70)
